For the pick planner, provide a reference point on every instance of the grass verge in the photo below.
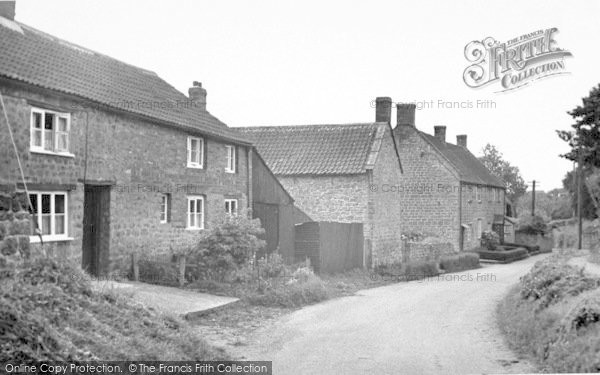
(49, 311)
(553, 316)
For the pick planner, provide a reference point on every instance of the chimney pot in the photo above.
(405, 114)
(461, 140)
(440, 132)
(7, 9)
(383, 109)
(198, 95)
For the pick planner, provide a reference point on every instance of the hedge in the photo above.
(504, 256)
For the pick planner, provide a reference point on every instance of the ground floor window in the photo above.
(165, 208)
(195, 212)
(49, 210)
(231, 207)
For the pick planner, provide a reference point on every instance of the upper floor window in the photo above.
(477, 193)
(195, 212)
(195, 152)
(231, 207)
(50, 131)
(496, 195)
(231, 159)
(165, 207)
(49, 210)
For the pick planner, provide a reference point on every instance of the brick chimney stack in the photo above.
(440, 132)
(7, 9)
(198, 95)
(405, 114)
(461, 140)
(383, 109)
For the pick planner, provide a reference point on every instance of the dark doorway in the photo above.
(269, 218)
(96, 229)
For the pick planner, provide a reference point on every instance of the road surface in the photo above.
(442, 325)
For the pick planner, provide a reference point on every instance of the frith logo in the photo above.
(515, 63)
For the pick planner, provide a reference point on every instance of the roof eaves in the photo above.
(241, 140)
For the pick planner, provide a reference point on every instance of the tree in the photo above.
(587, 205)
(584, 141)
(494, 162)
(552, 205)
(585, 136)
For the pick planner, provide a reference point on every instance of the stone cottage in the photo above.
(114, 158)
(453, 194)
(401, 183)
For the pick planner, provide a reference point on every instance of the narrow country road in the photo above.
(439, 325)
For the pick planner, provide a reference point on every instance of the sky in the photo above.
(320, 62)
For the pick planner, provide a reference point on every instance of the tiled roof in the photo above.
(33, 57)
(469, 168)
(315, 149)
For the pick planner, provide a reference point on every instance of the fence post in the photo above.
(135, 266)
(181, 270)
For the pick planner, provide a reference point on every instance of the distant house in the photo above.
(115, 159)
(398, 182)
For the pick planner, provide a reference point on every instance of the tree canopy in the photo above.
(502, 169)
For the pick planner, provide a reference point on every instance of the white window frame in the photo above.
(231, 159)
(477, 193)
(496, 195)
(479, 229)
(52, 236)
(199, 163)
(164, 199)
(195, 225)
(231, 207)
(55, 131)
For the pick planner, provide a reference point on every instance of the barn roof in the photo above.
(318, 149)
(468, 167)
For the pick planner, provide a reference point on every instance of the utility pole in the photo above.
(579, 199)
(533, 200)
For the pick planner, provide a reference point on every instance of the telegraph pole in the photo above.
(579, 199)
(533, 200)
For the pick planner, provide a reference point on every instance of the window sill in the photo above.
(36, 239)
(195, 166)
(44, 152)
(194, 229)
(228, 171)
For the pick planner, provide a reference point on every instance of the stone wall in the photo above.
(15, 225)
(329, 198)
(140, 159)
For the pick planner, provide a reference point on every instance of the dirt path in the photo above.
(440, 325)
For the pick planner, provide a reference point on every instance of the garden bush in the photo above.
(532, 225)
(227, 247)
(490, 239)
(459, 262)
(503, 256)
